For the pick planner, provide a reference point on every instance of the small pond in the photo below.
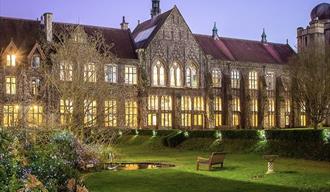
(136, 166)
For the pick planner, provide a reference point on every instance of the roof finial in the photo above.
(263, 36)
(287, 41)
(215, 31)
(155, 10)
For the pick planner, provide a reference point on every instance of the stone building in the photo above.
(192, 81)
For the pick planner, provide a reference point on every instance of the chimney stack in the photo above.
(124, 24)
(155, 10)
(48, 26)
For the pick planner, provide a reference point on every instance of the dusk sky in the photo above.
(235, 18)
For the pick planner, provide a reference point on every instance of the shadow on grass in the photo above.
(172, 181)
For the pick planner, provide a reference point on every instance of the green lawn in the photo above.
(241, 172)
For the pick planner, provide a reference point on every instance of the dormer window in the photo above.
(35, 61)
(11, 60)
(35, 86)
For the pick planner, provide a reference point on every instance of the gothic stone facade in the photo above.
(190, 81)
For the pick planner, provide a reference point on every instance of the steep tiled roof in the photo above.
(245, 50)
(25, 33)
(156, 22)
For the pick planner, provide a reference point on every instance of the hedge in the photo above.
(202, 134)
(240, 134)
(296, 135)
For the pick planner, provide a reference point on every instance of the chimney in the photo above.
(155, 10)
(48, 26)
(124, 24)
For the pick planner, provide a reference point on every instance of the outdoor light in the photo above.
(136, 132)
(186, 134)
(218, 135)
(326, 135)
(154, 133)
(120, 133)
(262, 135)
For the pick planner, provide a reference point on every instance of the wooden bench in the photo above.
(217, 158)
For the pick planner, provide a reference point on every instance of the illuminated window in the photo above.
(166, 103)
(10, 85)
(110, 73)
(216, 77)
(10, 115)
(153, 108)
(90, 113)
(153, 102)
(66, 111)
(185, 119)
(35, 86)
(287, 112)
(254, 113)
(158, 74)
(131, 112)
(198, 119)
(35, 115)
(236, 119)
(11, 61)
(152, 119)
(236, 107)
(271, 112)
(110, 113)
(191, 77)
(303, 115)
(90, 72)
(35, 61)
(130, 75)
(217, 104)
(253, 80)
(185, 103)
(218, 119)
(235, 79)
(166, 119)
(270, 81)
(217, 111)
(66, 69)
(166, 111)
(236, 104)
(186, 107)
(198, 104)
(175, 76)
(303, 120)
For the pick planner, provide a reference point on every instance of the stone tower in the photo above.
(155, 10)
(317, 34)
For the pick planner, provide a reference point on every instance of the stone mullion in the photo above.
(262, 101)
(227, 100)
(244, 95)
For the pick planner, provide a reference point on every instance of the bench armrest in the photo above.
(202, 159)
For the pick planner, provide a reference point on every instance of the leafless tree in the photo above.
(75, 82)
(310, 73)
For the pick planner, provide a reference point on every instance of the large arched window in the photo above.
(235, 79)
(175, 75)
(158, 74)
(191, 76)
(253, 80)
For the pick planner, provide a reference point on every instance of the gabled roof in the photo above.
(150, 28)
(25, 33)
(245, 50)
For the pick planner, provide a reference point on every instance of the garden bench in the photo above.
(217, 158)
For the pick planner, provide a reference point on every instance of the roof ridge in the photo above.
(88, 25)
(154, 17)
(240, 39)
(18, 19)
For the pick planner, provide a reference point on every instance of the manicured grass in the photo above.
(241, 172)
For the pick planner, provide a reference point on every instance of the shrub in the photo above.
(175, 139)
